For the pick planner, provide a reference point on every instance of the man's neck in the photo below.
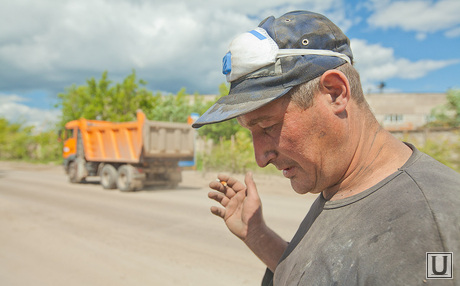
(378, 154)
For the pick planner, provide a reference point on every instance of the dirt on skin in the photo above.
(58, 233)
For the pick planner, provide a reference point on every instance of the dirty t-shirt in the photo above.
(380, 236)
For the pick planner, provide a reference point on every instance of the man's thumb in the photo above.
(251, 186)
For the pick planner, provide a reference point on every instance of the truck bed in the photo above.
(168, 140)
(131, 142)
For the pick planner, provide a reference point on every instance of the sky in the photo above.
(47, 46)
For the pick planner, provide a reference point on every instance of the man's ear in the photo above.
(335, 84)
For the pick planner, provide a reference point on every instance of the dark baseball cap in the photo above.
(267, 62)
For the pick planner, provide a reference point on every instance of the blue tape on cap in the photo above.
(227, 63)
(258, 35)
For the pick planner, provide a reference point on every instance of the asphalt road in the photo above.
(57, 233)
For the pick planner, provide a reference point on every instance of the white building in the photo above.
(404, 111)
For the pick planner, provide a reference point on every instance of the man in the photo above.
(382, 205)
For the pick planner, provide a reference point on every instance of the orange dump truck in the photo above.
(127, 155)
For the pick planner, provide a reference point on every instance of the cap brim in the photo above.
(248, 94)
(238, 103)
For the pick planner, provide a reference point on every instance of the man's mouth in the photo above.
(288, 172)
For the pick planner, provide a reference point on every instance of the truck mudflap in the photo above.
(170, 178)
(77, 171)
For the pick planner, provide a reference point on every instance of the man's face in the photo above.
(305, 144)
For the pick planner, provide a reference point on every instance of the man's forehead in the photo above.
(271, 111)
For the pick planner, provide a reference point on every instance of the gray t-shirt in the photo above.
(379, 236)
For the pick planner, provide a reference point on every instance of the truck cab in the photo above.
(70, 140)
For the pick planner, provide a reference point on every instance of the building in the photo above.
(404, 111)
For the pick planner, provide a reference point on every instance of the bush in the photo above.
(446, 152)
(18, 142)
(235, 155)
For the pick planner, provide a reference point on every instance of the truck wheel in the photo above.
(109, 177)
(175, 177)
(127, 181)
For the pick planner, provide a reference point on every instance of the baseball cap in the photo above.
(267, 62)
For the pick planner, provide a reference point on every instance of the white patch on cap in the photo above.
(250, 52)
(255, 49)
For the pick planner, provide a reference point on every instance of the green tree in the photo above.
(224, 130)
(448, 115)
(15, 140)
(104, 101)
(176, 108)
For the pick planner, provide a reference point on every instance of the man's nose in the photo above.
(263, 150)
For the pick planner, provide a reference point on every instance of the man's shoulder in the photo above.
(430, 175)
(439, 188)
(433, 182)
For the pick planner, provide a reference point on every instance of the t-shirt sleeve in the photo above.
(268, 278)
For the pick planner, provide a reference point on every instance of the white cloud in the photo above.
(13, 109)
(170, 43)
(7, 98)
(49, 45)
(453, 33)
(421, 36)
(174, 39)
(378, 63)
(423, 16)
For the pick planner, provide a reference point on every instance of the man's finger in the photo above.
(218, 211)
(218, 197)
(232, 182)
(223, 188)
